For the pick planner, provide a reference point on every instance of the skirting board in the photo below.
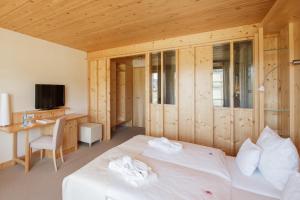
(7, 164)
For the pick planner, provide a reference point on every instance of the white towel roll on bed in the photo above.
(133, 171)
(165, 145)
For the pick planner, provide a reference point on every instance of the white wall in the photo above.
(25, 61)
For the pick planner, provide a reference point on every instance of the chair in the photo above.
(52, 143)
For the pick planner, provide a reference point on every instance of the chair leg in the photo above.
(54, 160)
(41, 154)
(30, 155)
(61, 154)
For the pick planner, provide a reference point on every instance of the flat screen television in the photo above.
(49, 96)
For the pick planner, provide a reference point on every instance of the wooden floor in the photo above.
(42, 183)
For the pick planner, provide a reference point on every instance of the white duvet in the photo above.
(198, 173)
(95, 182)
(206, 159)
(193, 156)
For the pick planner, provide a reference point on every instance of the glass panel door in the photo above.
(155, 78)
(169, 67)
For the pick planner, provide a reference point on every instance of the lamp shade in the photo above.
(4, 109)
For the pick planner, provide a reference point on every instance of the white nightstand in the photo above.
(90, 133)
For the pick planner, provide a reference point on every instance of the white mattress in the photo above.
(253, 184)
(175, 181)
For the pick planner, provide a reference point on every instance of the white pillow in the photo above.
(248, 157)
(292, 189)
(268, 138)
(279, 158)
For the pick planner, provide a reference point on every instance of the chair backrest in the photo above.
(58, 131)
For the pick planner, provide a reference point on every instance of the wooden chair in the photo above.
(52, 143)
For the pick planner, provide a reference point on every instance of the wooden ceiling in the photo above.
(92, 25)
(283, 12)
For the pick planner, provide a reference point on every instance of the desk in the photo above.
(16, 128)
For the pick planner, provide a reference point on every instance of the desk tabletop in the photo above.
(15, 128)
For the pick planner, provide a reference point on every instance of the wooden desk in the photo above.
(16, 128)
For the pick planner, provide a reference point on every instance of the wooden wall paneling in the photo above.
(129, 94)
(271, 81)
(139, 97)
(199, 39)
(113, 93)
(162, 93)
(186, 94)
(292, 77)
(170, 121)
(177, 93)
(102, 95)
(256, 86)
(283, 67)
(243, 126)
(147, 95)
(297, 106)
(231, 116)
(156, 125)
(261, 78)
(203, 96)
(222, 129)
(93, 90)
(108, 98)
(297, 83)
(121, 93)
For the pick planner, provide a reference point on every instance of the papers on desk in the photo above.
(44, 121)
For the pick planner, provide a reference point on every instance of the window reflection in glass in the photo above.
(155, 78)
(221, 64)
(169, 62)
(243, 74)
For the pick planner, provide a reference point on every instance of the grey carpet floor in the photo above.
(42, 183)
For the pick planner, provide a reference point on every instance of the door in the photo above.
(139, 96)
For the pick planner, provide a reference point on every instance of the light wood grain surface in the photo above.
(93, 25)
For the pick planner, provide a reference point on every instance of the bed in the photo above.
(213, 176)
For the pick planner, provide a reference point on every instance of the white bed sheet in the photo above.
(202, 158)
(253, 184)
(95, 182)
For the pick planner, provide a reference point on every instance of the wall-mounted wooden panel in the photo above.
(186, 106)
(193, 118)
(156, 125)
(283, 72)
(93, 90)
(203, 96)
(170, 121)
(297, 83)
(139, 96)
(129, 93)
(243, 126)
(113, 94)
(271, 82)
(222, 129)
(102, 92)
(147, 96)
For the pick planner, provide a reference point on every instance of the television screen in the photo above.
(49, 96)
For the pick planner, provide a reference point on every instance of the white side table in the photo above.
(90, 133)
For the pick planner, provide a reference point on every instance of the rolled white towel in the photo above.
(165, 145)
(133, 171)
